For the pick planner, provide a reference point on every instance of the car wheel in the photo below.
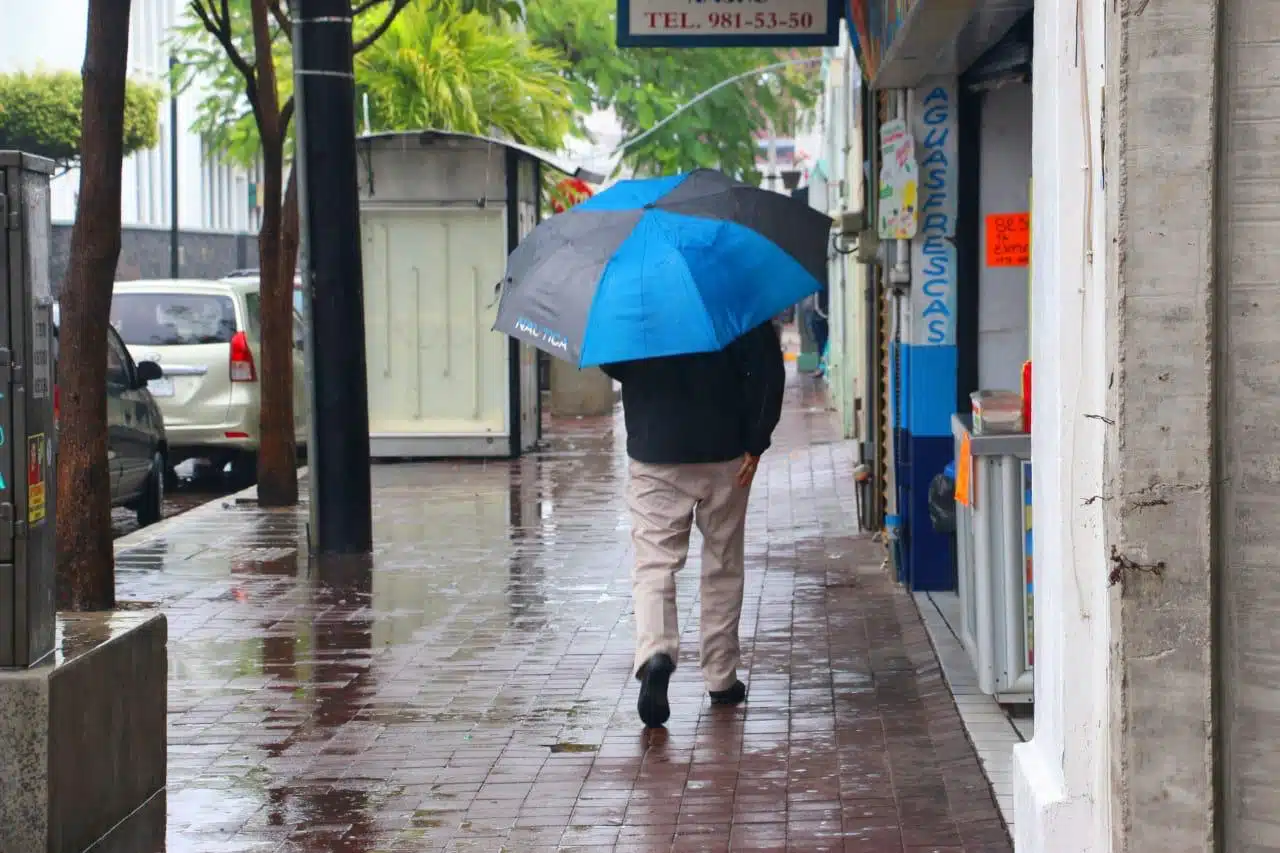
(151, 506)
(244, 470)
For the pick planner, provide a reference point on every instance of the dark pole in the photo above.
(341, 495)
(173, 171)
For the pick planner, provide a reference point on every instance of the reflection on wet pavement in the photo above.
(195, 486)
(468, 689)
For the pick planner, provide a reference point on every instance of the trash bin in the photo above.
(942, 510)
(942, 500)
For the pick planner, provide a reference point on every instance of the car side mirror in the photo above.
(145, 371)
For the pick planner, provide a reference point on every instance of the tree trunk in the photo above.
(277, 444)
(85, 559)
(277, 448)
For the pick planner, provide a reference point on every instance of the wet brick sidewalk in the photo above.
(472, 691)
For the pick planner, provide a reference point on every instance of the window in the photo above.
(253, 315)
(206, 184)
(173, 319)
(117, 362)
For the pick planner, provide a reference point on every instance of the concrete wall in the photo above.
(1123, 756)
(1061, 777)
(1004, 183)
(1249, 419)
(144, 253)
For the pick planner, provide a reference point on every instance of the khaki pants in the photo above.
(665, 500)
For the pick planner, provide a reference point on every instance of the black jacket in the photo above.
(709, 407)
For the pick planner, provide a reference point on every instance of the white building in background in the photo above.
(212, 196)
(599, 152)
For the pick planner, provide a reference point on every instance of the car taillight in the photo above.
(241, 359)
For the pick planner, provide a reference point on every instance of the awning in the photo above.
(901, 42)
(546, 157)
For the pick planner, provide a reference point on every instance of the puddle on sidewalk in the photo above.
(574, 747)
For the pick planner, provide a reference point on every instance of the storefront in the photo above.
(951, 154)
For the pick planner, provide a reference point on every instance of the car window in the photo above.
(118, 366)
(253, 315)
(173, 319)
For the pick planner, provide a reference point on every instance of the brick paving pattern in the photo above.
(469, 690)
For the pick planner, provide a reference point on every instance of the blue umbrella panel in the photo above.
(661, 267)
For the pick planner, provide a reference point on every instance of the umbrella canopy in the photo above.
(659, 267)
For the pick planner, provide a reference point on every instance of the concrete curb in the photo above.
(166, 527)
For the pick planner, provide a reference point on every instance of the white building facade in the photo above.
(215, 200)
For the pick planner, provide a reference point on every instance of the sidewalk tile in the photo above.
(468, 688)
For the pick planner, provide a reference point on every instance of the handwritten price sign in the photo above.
(728, 23)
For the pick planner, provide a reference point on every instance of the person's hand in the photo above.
(747, 471)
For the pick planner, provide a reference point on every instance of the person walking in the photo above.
(696, 428)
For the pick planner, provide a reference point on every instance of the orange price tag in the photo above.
(1008, 239)
(964, 473)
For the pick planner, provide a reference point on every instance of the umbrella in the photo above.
(661, 266)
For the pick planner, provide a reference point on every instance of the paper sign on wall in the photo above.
(35, 478)
(1008, 239)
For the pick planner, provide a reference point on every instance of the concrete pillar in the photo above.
(1161, 112)
(1247, 385)
(1062, 796)
(579, 393)
(1125, 349)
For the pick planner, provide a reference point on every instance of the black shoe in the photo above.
(734, 695)
(654, 675)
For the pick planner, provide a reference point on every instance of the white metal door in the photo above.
(436, 368)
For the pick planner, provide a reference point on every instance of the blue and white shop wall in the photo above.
(927, 353)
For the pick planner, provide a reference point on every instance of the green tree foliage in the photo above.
(224, 116)
(40, 112)
(645, 85)
(443, 66)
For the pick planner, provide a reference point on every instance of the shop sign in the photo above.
(933, 251)
(898, 184)
(569, 192)
(716, 23)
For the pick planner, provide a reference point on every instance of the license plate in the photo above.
(162, 387)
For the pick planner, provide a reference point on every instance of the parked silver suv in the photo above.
(137, 450)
